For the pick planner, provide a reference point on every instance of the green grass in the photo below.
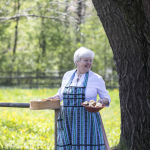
(22, 128)
(111, 118)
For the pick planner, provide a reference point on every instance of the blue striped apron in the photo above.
(78, 129)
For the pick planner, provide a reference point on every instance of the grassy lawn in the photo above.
(22, 128)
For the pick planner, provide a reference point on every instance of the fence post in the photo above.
(56, 117)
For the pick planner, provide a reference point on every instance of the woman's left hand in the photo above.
(104, 101)
(54, 97)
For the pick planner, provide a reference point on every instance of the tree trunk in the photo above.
(16, 30)
(126, 24)
(81, 8)
(43, 39)
(16, 37)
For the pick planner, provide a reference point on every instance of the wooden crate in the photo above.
(45, 104)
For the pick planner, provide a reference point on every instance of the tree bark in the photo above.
(126, 24)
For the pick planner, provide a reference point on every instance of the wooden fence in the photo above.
(51, 79)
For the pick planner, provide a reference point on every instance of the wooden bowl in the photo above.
(92, 109)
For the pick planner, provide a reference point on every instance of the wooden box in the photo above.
(44, 104)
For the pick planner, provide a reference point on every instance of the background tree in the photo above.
(47, 35)
(127, 25)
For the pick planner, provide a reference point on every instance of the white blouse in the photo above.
(95, 85)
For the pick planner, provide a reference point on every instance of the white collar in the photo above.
(80, 82)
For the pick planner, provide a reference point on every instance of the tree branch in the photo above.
(2, 19)
(26, 15)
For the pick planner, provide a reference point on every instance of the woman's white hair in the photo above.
(83, 52)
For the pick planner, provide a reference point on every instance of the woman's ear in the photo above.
(76, 63)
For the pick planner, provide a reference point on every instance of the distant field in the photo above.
(22, 128)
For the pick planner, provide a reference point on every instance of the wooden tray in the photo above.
(45, 104)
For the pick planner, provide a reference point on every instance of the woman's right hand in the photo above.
(104, 101)
(54, 97)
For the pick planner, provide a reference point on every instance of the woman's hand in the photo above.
(104, 101)
(54, 97)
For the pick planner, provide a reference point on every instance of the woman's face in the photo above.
(84, 65)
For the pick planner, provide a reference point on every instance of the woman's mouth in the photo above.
(87, 66)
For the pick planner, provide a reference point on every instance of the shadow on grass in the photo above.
(121, 146)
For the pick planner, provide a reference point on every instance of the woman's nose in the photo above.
(89, 62)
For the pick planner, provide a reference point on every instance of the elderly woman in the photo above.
(77, 128)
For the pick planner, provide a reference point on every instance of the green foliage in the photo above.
(49, 44)
(22, 128)
(96, 40)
